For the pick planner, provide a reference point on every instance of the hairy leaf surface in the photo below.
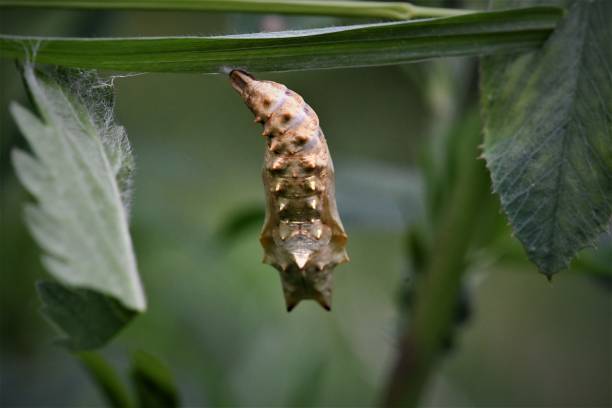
(334, 47)
(548, 136)
(79, 174)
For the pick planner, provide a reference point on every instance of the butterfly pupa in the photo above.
(302, 235)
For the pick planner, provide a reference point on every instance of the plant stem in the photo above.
(438, 289)
(368, 9)
(104, 377)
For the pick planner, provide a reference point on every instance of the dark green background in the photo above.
(216, 314)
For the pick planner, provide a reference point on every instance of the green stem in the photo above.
(109, 383)
(438, 289)
(432, 12)
(368, 9)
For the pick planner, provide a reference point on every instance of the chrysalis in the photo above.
(302, 234)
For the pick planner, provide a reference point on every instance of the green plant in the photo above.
(547, 112)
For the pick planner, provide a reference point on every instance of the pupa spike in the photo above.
(301, 138)
(301, 258)
(290, 301)
(275, 146)
(279, 164)
(311, 185)
(309, 163)
(324, 300)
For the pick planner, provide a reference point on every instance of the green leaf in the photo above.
(548, 136)
(153, 382)
(373, 9)
(79, 175)
(87, 318)
(106, 379)
(335, 47)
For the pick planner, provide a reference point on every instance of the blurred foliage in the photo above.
(153, 382)
(217, 317)
(104, 376)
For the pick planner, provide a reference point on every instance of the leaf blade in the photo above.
(80, 220)
(88, 318)
(336, 47)
(548, 137)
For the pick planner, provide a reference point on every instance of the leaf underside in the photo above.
(548, 136)
(335, 47)
(87, 318)
(79, 174)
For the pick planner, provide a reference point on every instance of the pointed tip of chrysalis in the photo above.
(290, 302)
(325, 306)
(324, 300)
(240, 80)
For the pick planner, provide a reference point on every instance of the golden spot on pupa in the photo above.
(311, 185)
(282, 204)
(283, 234)
(312, 203)
(301, 258)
